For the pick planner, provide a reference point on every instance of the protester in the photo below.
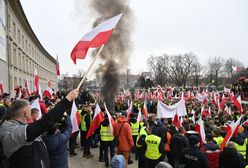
(56, 140)
(123, 133)
(21, 142)
(230, 158)
(192, 157)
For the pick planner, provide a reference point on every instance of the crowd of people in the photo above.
(30, 141)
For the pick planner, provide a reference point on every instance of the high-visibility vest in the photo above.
(218, 140)
(105, 133)
(135, 128)
(152, 150)
(83, 123)
(242, 148)
(142, 132)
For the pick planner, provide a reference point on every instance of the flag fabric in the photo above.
(231, 128)
(237, 103)
(111, 120)
(144, 109)
(200, 129)
(223, 101)
(27, 87)
(176, 121)
(236, 68)
(227, 90)
(130, 109)
(36, 80)
(73, 117)
(95, 38)
(36, 104)
(96, 122)
(165, 111)
(201, 98)
(139, 116)
(57, 66)
(1, 89)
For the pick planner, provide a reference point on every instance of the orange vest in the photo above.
(167, 145)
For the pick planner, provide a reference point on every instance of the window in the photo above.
(26, 45)
(10, 55)
(23, 64)
(19, 36)
(22, 41)
(27, 70)
(19, 61)
(9, 22)
(14, 29)
(14, 57)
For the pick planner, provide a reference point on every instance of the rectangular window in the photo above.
(19, 36)
(14, 29)
(22, 41)
(14, 57)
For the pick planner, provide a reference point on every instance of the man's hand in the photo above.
(72, 95)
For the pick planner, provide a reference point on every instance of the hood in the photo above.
(211, 146)
(105, 122)
(121, 119)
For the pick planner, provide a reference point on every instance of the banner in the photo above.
(165, 111)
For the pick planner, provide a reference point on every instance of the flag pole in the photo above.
(88, 70)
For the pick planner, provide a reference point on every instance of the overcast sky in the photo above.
(205, 27)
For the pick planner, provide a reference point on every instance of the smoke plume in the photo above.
(115, 54)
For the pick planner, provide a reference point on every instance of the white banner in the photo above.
(165, 111)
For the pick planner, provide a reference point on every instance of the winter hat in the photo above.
(118, 161)
(193, 140)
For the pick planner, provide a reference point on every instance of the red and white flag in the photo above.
(130, 109)
(36, 80)
(139, 116)
(57, 67)
(176, 121)
(231, 129)
(27, 87)
(144, 109)
(223, 101)
(96, 122)
(237, 103)
(36, 104)
(200, 129)
(111, 120)
(236, 68)
(95, 38)
(73, 117)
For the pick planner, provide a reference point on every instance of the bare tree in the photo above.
(230, 64)
(216, 69)
(158, 67)
(180, 67)
(197, 72)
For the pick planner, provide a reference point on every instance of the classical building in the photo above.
(25, 52)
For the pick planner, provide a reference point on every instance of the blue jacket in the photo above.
(56, 146)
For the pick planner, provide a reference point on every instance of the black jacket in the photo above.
(178, 143)
(194, 158)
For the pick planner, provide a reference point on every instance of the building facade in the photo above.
(25, 52)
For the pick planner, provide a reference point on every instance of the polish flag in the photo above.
(144, 109)
(231, 129)
(139, 116)
(36, 80)
(1, 89)
(231, 97)
(57, 67)
(237, 103)
(48, 91)
(223, 101)
(95, 38)
(130, 109)
(111, 120)
(200, 129)
(236, 68)
(96, 122)
(27, 87)
(176, 121)
(36, 104)
(73, 117)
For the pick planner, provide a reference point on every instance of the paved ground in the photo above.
(80, 162)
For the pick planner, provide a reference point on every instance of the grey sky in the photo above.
(206, 27)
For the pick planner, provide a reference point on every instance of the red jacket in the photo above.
(212, 154)
(125, 138)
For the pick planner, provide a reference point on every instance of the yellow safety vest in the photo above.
(83, 123)
(152, 150)
(105, 133)
(142, 132)
(135, 128)
(242, 148)
(218, 140)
